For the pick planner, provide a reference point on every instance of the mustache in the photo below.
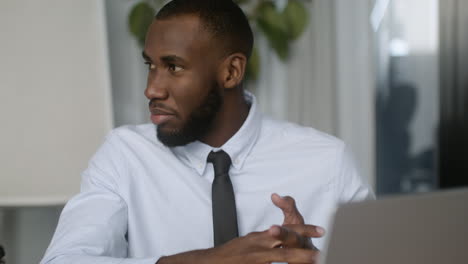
(154, 104)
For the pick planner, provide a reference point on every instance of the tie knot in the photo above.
(221, 162)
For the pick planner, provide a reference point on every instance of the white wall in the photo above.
(54, 98)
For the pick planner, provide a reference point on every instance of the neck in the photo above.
(229, 120)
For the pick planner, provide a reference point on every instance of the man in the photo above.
(152, 195)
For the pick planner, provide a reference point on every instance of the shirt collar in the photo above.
(238, 146)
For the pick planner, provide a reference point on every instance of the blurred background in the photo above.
(389, 77)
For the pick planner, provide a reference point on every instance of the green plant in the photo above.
(280, 26)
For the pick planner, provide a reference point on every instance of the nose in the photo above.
(156, 87)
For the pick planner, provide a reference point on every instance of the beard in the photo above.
(197, 125)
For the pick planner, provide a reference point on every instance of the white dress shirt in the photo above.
(140, 200)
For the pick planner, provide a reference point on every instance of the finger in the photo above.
(289, 255)
(288, 237)
(307, 230)
(262, 239)
(288, 205)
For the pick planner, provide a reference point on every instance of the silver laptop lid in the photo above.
(416, 229)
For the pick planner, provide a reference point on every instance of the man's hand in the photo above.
(289, 243)
(254, 248)
(293, 228)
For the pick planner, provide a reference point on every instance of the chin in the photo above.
(174, 137)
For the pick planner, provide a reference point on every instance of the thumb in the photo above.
(288, 205)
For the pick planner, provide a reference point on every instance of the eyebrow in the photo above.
(165, 59)
(145, 56)
(172, 59)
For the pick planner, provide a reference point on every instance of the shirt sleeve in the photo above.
(351, 187)
(93, 225)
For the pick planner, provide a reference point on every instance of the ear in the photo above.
(232, 70)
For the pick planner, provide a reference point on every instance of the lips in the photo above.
(160, 116)
(160, 119)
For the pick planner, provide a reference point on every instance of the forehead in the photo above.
(182, 36)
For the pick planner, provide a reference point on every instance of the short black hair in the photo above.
(224, 19)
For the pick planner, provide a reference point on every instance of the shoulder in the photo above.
(288, 134)
(131, 131)
(132, 140)
(125, 145)
(133, 134)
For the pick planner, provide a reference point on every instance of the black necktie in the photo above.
(222, 195)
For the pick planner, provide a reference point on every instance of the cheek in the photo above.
(192, 89)
(188, 95)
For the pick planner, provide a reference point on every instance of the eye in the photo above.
(151, 66)
(174, 68)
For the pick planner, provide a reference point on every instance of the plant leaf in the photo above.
(253, 67)
(268, 13)
(139, 20)
(296, 17)
(273, 24)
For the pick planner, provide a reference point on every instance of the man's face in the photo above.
(182, 88)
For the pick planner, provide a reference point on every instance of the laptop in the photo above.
(427, 228)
